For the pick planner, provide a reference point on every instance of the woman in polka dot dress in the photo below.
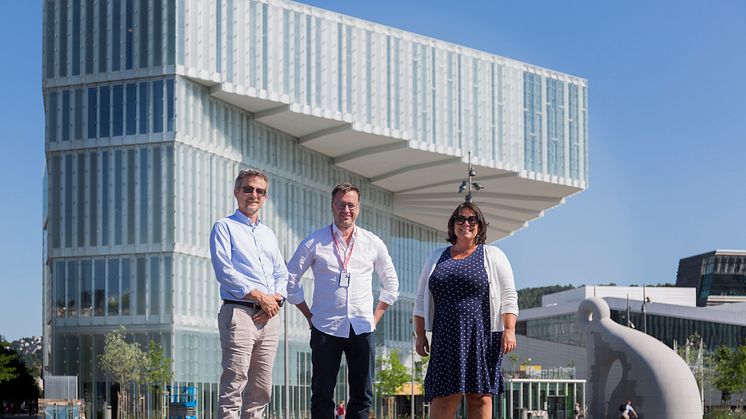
(467, 299)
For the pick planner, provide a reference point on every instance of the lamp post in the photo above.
(467, 185)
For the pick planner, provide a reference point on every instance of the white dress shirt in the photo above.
(245, 256)
(335, 308)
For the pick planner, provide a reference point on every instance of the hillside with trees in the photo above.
(531, 297)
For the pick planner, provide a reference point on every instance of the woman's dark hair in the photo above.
(481, 223)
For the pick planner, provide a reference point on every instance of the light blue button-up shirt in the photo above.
(246, 256)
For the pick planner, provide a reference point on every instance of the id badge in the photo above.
(344, 279)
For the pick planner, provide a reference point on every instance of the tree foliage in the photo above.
(730, 370)
(7, 359)
(531, 297)
(157, 367)
(121, 360)
(16, 383)
(391, 375)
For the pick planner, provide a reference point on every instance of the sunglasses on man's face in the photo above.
(251, 189)
(460, 219)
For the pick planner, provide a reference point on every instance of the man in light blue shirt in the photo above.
(253, 282)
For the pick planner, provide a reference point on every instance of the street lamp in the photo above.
(468, 185)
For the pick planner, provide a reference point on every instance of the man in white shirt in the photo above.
(343, 258)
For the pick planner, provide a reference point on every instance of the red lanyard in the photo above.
(338, 252)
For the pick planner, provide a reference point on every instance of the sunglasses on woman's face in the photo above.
(251, 189)
(472, 219)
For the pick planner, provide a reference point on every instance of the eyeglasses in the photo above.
(251, 189)
(342, 205)
(472, 219)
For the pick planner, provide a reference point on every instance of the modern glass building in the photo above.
(719, 276)
(152, 107)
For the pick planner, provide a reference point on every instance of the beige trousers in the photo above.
(249, 351)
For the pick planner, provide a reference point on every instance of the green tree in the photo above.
(7, 359)
(531, 297)
(121, 360)
(391, 375)
(730, 370)
(16, 383)
(157, 367)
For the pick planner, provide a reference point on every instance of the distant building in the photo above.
(719, 276)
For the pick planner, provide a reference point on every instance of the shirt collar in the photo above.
(246, 220)
(338, 232)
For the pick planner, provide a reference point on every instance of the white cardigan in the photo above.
(503, 297)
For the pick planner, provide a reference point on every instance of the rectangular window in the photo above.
(86, 294)
(144, 106)
(92, 112)
(126, 286)
(218, 37)
(143, 38)
(129, 33)
(59, 289)
(104, 114)
(170, 105)
(155, 286)
(99, 287)
(144, 196)
(102, 32)
(130, 226)
(63, 38)
(52, 118)
(80, 204)
(49, 41)
(157, 33)
(116, 34)
(93, 200)
(158, 106)
(89, 49)
(55, 188)
(131, 92)
(72, 289)
(76, 46)
(140, 286)
(171, 35)
(112, 298)
(104, 198)
(78, 115)
(157, 190)
(169, 195)
(118, 114)
(118, 196)
(65, 115)
(68, 200)
(167, 286)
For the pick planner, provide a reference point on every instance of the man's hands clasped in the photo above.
(269, 303)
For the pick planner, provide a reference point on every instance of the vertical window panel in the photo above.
(78, 115)
(49, 40)
(68, 200)
(131, 197)
(63, 38)
(55, 192)
(144, 196)
(144, 108)
(86, 287)
(129, 33)
(65, 115)
(116, 35)
(59, 289)
(171, 32)
(155, 210)
(118, 114)
(143, 38)
(93, 200)
(104, 109)
(157, 33)
(72, 289)
(218, 36)
(167, 286)
(99, 287)
(112, 298)
(89, 43)
(53, 109)
(126, 285)
(131, 118)
(118, 196)
(76, 45)
(103, 31)
(140, 286)
(155, 286)
(80, 200)
(92, 122)
(170, 103)
(157, 106)
(170, 198)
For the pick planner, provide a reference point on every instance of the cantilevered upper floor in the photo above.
(401, 109)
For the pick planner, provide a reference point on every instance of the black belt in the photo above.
(248, 304)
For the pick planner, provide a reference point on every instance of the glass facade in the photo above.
(141, 157)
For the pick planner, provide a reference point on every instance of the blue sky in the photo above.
(667, 108)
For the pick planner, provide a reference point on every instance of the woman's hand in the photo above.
(421, 345)
(509, 343)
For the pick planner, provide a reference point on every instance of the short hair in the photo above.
(482, 231)
(249, 173)
(345, 187)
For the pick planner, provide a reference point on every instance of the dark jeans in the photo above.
(326, 355)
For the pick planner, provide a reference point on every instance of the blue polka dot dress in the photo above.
(465, 356)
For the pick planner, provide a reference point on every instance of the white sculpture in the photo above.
(625, 364)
